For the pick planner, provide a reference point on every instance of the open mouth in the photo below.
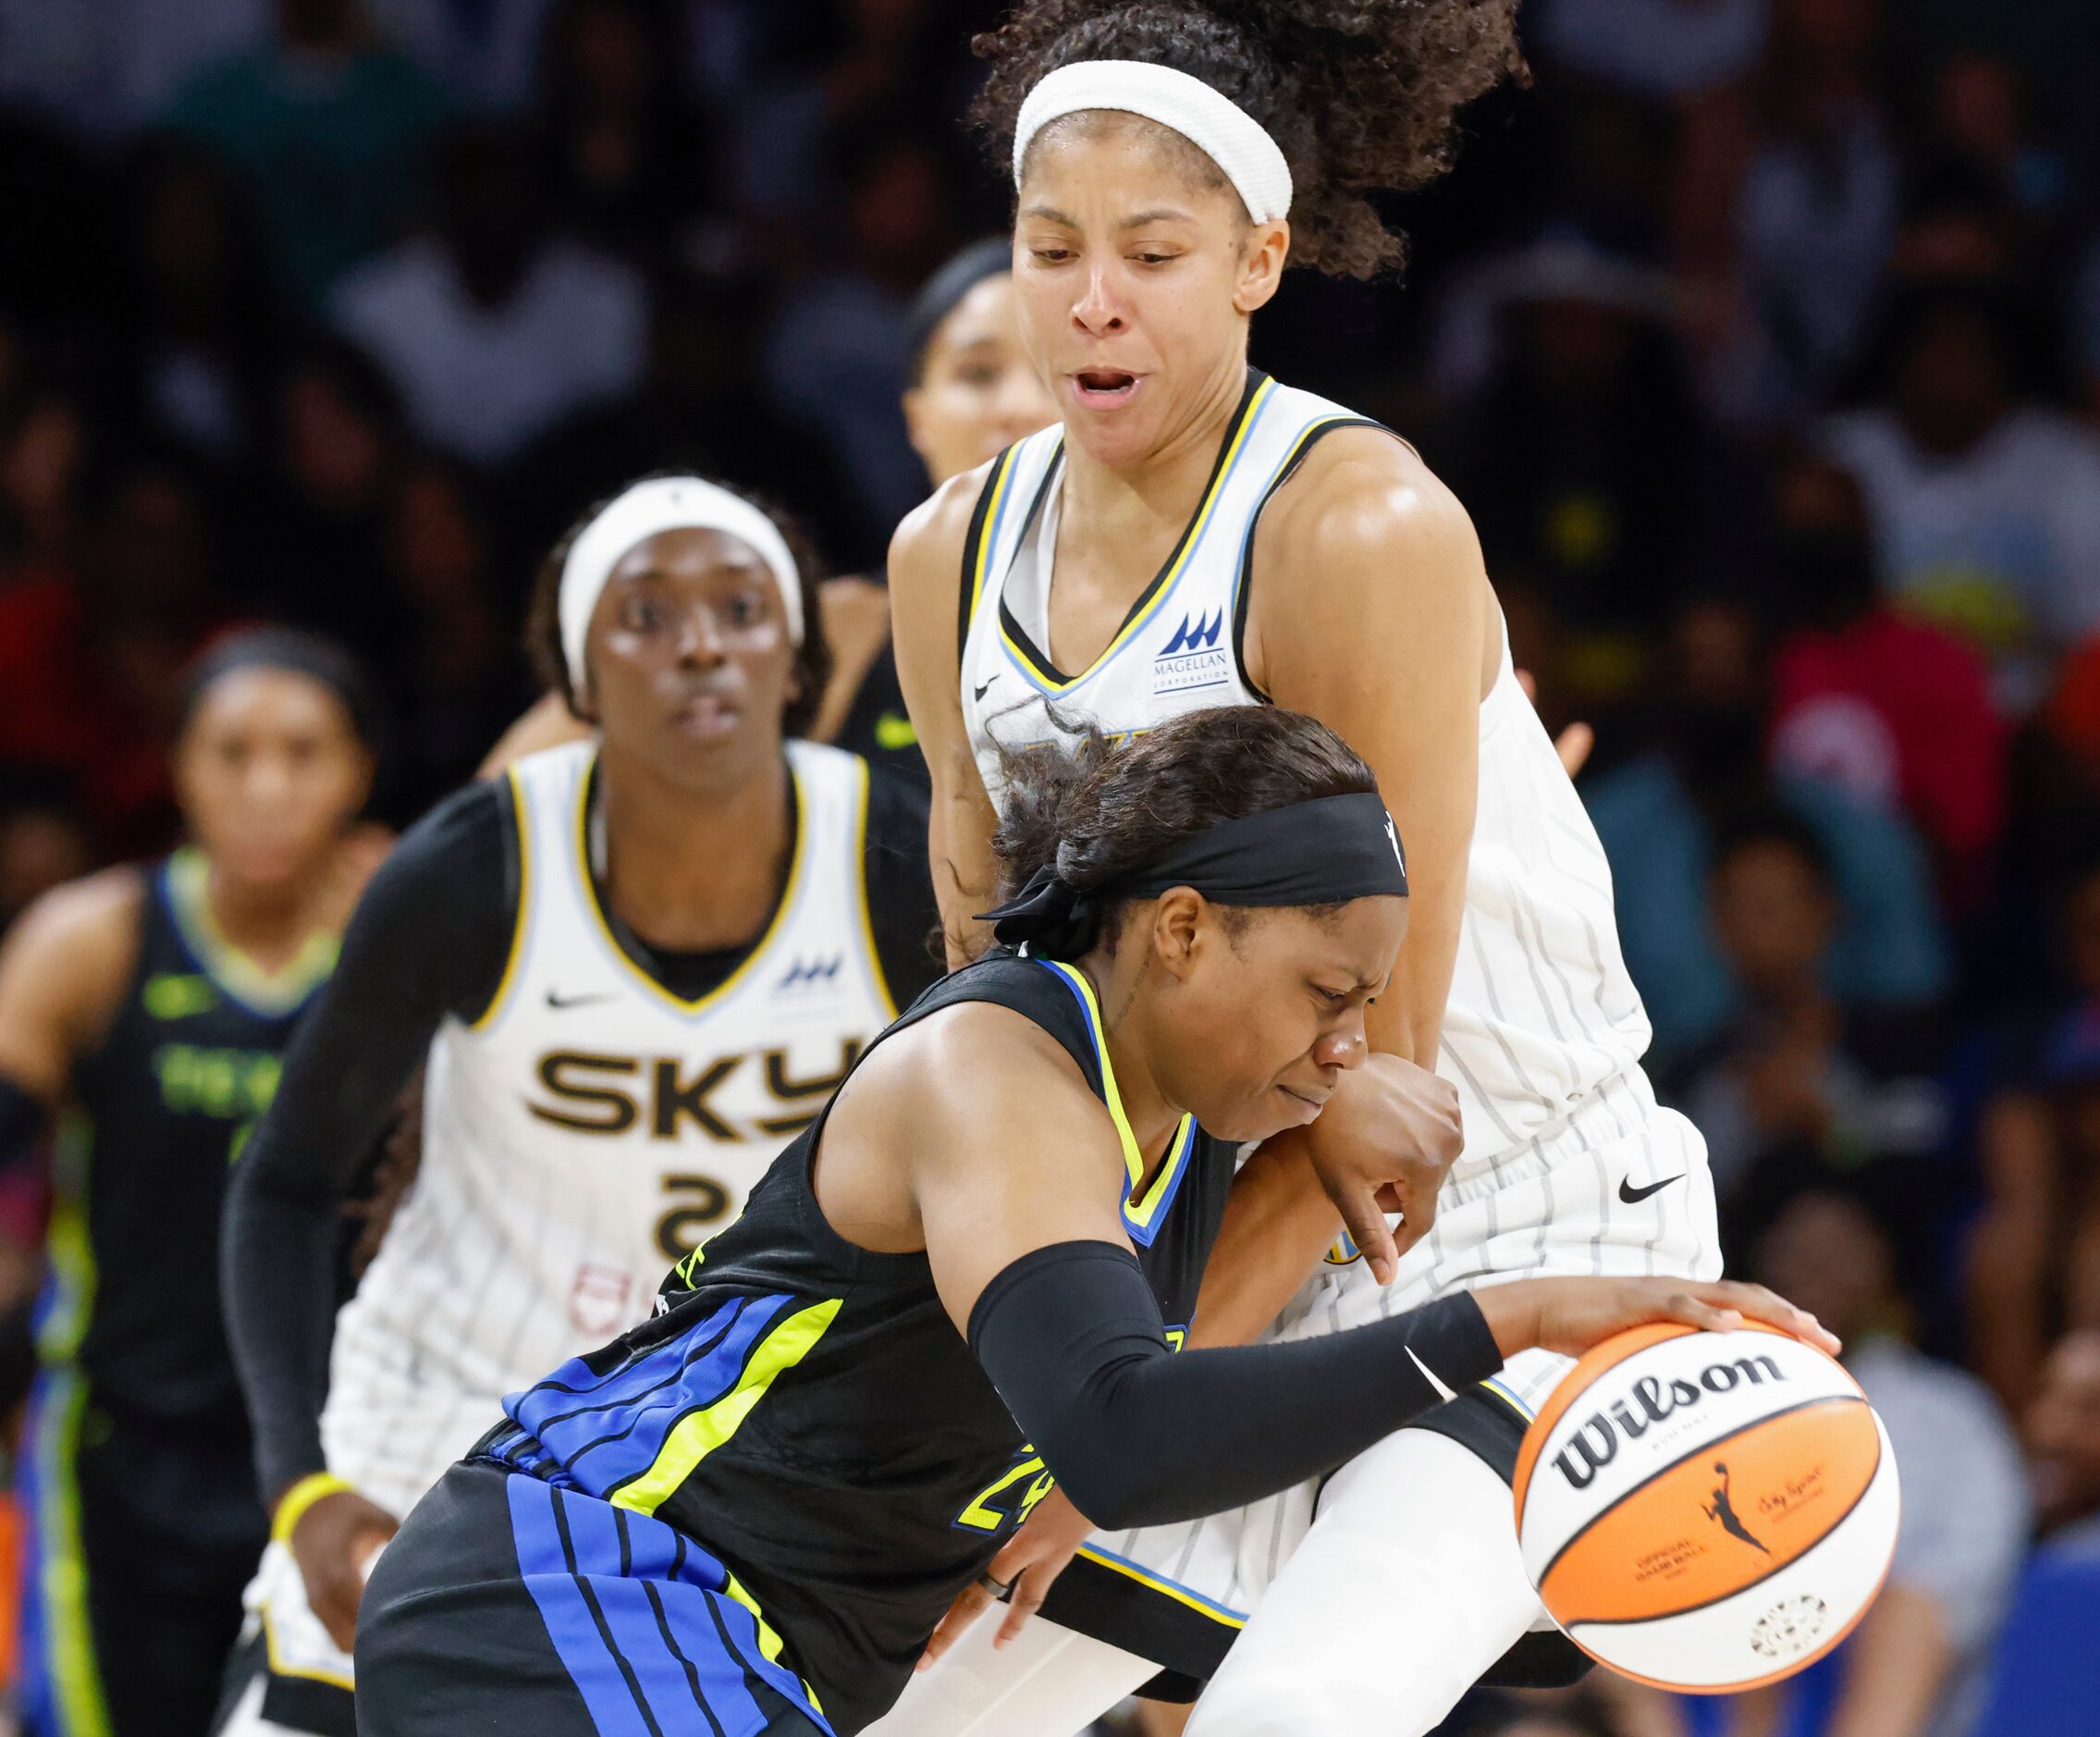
(1104, 388)
(709, 715)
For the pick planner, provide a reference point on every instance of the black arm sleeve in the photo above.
(1071, 1336)
(430, 937)
(901, 905)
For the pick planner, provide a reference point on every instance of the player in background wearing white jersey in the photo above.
(637, 968)
(1216, 537)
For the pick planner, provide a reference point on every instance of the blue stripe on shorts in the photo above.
(642, 1619)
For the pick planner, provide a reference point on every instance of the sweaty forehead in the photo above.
(688, 553)
(1084, 141)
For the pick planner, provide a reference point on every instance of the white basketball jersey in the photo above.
(591, 1127)
(1543, 1012)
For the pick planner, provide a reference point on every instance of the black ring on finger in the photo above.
(999, 1589)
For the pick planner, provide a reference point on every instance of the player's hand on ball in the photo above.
(1032, 1559)
(333, 1544)
(1570, 1316)
(1383, 1144)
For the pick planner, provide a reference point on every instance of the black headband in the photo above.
(298, 652)
(943, 293)
(1324, 852)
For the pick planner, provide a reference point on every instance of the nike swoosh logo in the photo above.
(986, 688)
(1633, 1195)
(556, 999)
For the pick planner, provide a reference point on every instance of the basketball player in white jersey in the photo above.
(1194, 534)
(637, 968)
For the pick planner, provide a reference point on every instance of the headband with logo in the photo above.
(1207, 119)
(1324, 852)
(664, 503)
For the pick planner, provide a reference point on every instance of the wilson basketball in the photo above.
(1706, 1511)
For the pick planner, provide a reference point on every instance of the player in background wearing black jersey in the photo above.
(144, 1010)
(968, 1278)
(636, 967)
(973, 393)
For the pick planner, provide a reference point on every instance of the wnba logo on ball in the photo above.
(1596, 1441)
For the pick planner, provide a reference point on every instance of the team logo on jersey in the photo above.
(660, 1095)
(597, 1302)
(1193, 657)
(810, 974)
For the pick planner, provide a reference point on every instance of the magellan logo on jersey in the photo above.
(1596, 1444)
(1193, 657)
(808, 974)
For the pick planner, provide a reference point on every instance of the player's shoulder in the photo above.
(74, 949)
(97, 915)
(926, 550)
(966, 1066)
(1361, 486)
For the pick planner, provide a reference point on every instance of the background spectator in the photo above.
(2063, 1444)
(1914, 1665)
(325, 120)
(493, 325)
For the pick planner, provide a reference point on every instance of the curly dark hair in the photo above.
(1362, 95)
(813, 657)
(1114, 804)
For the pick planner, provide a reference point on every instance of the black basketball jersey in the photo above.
(157, 1114)
(805, 1412)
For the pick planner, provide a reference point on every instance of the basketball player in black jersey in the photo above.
(144, 1010)
(966, 1280)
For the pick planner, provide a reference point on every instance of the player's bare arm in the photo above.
(62, 972)
(925, 558)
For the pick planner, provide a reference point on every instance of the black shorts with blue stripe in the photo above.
(508, 1604)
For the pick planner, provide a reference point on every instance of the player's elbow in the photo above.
(1117, 1490)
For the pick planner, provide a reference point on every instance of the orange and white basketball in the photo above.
(1706, 1511)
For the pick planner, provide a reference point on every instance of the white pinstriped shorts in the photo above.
(1557, 1206)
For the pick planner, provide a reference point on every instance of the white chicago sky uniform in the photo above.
(1569, 1165)
(587, 1130)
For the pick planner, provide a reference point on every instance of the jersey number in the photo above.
(1010, 1497)
(696, 1203)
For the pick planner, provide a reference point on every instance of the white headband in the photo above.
(1207, 119)
(664, 503)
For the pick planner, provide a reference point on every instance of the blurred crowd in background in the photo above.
(1762, 338)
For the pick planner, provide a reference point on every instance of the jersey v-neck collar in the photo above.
(1032, 661)
(186, 887)
(635, 958)
(1142, 1211)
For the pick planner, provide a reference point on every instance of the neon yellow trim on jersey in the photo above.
(1137, 1210)
(282, 1667)
(868, 948)
(771, 1645)
(62, 1582)
(1235, 446)
(696, 1436)
(67, 1245)
(520, 923)
(237, 975)
(1002, 474)
(804, 825)
(1165, 1588)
